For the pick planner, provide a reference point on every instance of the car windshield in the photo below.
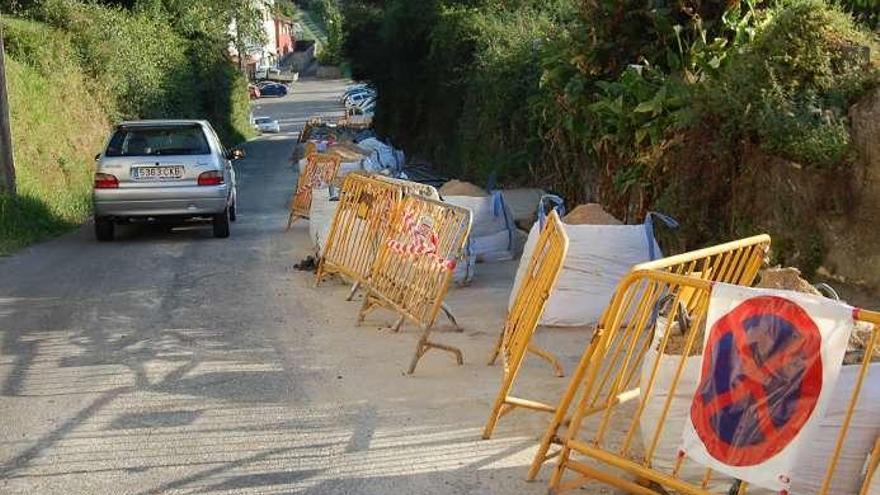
(158, 141)
(264, 120)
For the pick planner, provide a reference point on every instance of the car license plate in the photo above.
(157, 173)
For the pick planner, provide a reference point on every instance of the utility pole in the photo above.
(7, 163)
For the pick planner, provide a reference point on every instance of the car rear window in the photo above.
(158, 141)
(263, 120)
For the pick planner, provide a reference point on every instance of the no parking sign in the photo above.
(770, 362)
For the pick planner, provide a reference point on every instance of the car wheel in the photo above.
(104, 229)
(221, 224)
(232, 215)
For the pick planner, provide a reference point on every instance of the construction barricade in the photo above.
(361, 223)
(735, 262)
(306, 133)
(740, 383)
(414, 266)
(522, 319)
(320, 170)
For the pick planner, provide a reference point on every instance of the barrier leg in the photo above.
(398, 324)
(425, 345)
(319, 272)
(549, 357)
(366, 307)
(354, 289)
(551, 436)
(451, 317)
(291, 218)
(497, 350)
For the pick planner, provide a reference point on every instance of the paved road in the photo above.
(173, 362)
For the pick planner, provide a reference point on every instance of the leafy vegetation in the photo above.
(633, 104)
(74, 69)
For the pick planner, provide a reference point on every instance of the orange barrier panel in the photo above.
(414, 266)
(735, 262)
(522, 319)
(320, 170)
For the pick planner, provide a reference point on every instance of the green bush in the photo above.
(58, 124)
(86, 66)
(790, 90)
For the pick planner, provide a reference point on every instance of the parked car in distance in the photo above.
(273, 89)
(366, 103)
(356, 98)
(164, 170)
(253, 91)
(266, 124)
(266, 71)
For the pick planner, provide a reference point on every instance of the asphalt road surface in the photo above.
(173, 362)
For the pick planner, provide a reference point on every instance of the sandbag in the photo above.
(321, 217)
(598, 257)
(812, 463)
(491, 237)
(666, 453)
(863, 430)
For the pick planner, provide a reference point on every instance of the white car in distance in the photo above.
(266, 124)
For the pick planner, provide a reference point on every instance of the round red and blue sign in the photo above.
(760, 381)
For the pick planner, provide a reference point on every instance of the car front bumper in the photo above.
(177, 201)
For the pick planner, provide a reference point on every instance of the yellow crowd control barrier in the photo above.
(410, 187)
(360, 224)
(414, 266)
(611, 437)
(522, 319)
(306, 133)
(321, 169)
(735, 262)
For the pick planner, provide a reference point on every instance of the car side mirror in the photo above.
(235, 154)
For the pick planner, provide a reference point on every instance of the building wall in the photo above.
(283, 37)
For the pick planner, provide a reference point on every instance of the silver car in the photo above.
(266, 124)
(165, 170)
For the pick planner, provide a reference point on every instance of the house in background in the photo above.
(284, 37)
(279, 40)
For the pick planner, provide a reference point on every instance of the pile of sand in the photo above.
(347, 149)
(460, 188)
(788, 278)
(590, 214)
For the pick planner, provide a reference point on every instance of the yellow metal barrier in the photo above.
(410, 187)
(414, 266)
(320, 170)
(360, 224)
(617, 381)
(310, 148)
(734, 262)
(306, 133)
(522, 319)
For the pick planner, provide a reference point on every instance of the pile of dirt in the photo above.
(590, 214)
(460, 188)
(787, 278)
(349, 152)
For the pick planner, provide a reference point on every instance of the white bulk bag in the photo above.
(491, 237)
(863, 430)
(812, 463)
(666, 453)
(598, 257)
(321, 217)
